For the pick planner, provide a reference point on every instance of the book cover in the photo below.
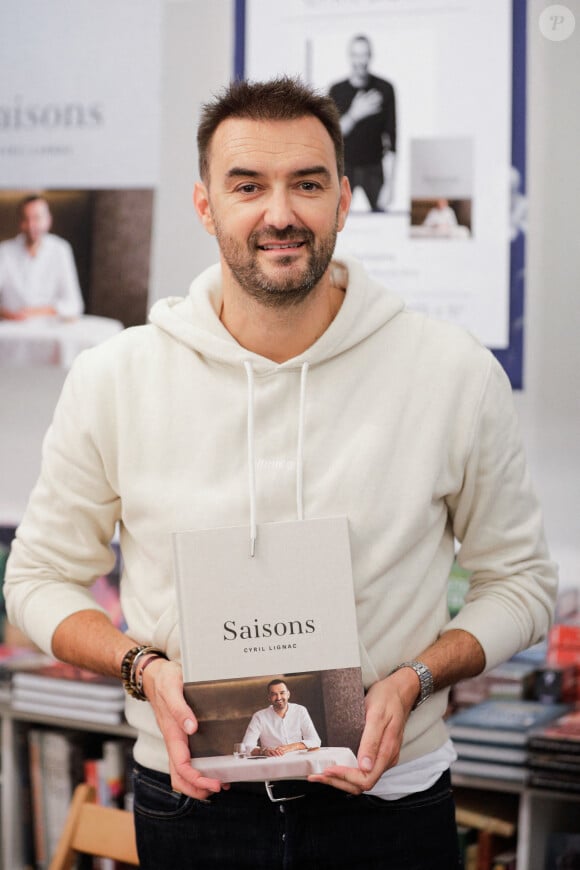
(285, 614)
(504, 722)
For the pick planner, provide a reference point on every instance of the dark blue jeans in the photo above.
(325, 829)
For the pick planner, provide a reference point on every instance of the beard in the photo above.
(291, 284)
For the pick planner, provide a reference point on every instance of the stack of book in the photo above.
(554, 758)
(17, 658)
(491, 738)
(62, 690)
(514, 679)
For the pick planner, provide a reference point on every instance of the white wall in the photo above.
(549, 406)
(198, 51)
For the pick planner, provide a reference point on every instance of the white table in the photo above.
(51, 341)
(293, 765)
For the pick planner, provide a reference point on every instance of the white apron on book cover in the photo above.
(286, 612)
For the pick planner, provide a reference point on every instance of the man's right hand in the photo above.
(364, 104)
(163, 687)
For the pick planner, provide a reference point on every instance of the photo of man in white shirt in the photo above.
(282, 727)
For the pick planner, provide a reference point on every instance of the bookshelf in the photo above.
(12, 725)
(540, 812)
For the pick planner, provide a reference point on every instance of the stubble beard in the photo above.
(284, 291)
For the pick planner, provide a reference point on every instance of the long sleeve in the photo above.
(498, 522)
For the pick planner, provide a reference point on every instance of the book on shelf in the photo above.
(59, 689)
(504, 722)
(491, 752)
(17, 658)
(559, 735)
(246, 620)
(555, 780)
(489, 770)
(565, 634)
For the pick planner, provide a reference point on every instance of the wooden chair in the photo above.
(91, 829)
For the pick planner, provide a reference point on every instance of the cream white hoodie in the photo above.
(404, 424)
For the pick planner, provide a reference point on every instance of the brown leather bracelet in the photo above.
(146, 663)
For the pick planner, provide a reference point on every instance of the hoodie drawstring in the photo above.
(252, 453)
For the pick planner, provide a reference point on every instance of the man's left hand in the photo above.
(388, 704)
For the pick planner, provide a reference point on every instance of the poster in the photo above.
(439, 214)
(79, 93)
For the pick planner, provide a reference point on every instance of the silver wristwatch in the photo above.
(425, 680)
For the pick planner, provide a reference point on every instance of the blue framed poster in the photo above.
(432, 100)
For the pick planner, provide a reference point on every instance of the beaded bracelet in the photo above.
(128, 669)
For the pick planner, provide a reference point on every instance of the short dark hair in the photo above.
(275, 683)
(31, 197)
(281, 99)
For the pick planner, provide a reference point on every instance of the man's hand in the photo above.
(28, 313)
(282, 750)
(163, 686)
(364, 104)
(388, 704)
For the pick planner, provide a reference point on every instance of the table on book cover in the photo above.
(258, 768)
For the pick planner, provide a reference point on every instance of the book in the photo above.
(560, 735)
(555, 761)
(491, 752)
(63, 680)
(489, 770)
(504, 722)
(58, 689)
(555, 780)
(17, 658)
(565, 634)
(248, 619)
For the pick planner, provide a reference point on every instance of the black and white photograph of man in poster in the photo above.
(369, 125)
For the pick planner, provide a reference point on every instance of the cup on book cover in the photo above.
(240, 750)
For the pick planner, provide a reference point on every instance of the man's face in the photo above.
(279, 697)
(35, 220)
(275, 203)
(360, 57)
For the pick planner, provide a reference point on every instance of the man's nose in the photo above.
(279, 210)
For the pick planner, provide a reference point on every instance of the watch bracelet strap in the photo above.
(426, 682)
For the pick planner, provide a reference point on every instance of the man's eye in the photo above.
(309, 185)
(247, 188)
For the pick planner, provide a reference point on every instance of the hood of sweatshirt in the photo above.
(194, 320)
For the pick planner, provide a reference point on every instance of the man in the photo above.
(38, 276)
(441, 216)
(339, 402)
(282, 727)
(368, 122)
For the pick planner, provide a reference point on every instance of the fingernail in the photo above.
(366, 764)
(189, 726)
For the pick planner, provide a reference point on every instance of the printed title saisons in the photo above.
(233, 631)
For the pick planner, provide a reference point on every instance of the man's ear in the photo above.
(202, 206)
(344, 202)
